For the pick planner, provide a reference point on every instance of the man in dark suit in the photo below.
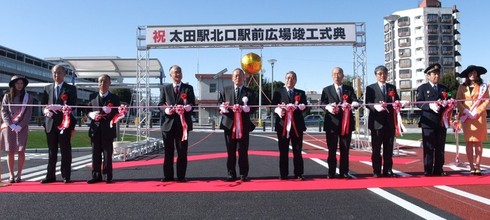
(297, 98)
(237, 134)
(55, 95)
(433, 131)
(379, 97)
(101, 132)
(333, 96)
(176, 100)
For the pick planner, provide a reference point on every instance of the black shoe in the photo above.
(231, 179)
(94, 180)
(67, 180)
(244, 178)
(182, 180)
(284, 178)
(389, 174)
(109, 181)
(345, 176)
(18, 180)
(11, 180)
(427, 174)
(331, 176)
(48, 181)
(167, 179)
(441, 174)
(376, 175)
(300, 177)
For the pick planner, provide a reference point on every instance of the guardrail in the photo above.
(125, 150)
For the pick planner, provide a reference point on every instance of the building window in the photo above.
(433, 50)
(403, 32)
(404, 21)
(448, 61)
(387, 57)
(212, 87)
(432, 29)
(433, 39)
(446, 18)
(387, 27)
(404, 42)
(447, 39)
(447, 50)
(432, 18)
(405, 74)
(406, 95)
(387, 37)
(387, 47)
(433, 60)
(405, 84)
(446, 29)
(405, 52)
(405, 63)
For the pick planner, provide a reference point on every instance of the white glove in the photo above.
(187, 108)
(404, 103)
(17, 128)
(279, 112)
(435, 107)
(246, 109)
(444, 103)
(223, 109)
(47, 113)
(355, 104)
(169, 111)
(330, 108)
(55, 107)
(379, 107)
(92, 115)
(301, 106)
(106, 109)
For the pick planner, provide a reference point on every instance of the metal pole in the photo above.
(272, 62)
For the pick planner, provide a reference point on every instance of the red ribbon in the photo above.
(180, 111)
(65, 123)
(448, 113)
(289, 120)
(346, 111)
(237, 131)
(397, 106)
(122, 111)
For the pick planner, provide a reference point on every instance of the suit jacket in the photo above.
(48, 98)
(378, 120)
(281, 96)
(332, 123)
(168, 97)
(228, 95)
(428, 118)
(103, 125)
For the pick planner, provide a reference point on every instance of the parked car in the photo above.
(313, 120)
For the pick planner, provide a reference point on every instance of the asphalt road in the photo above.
(359, 198)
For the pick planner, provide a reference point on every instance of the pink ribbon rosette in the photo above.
(346, 111)
(448, 112)
(65, 123)
(122, 110)
(397, 118)
(289, 119)
(179, 109)
(237, 131)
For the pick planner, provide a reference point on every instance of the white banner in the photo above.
(251, 35)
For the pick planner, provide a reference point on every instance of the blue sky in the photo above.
(52, 28)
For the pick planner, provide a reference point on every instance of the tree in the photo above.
(123, 93)
(449, 80)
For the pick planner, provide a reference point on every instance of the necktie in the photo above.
(237, 94)
(57, 91)
(290, 94)
(383, 89)
(435, 88)
(176, 90)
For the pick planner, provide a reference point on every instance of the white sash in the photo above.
(481, 92)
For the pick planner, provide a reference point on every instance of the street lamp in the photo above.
(391, 19)
(272, 62)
